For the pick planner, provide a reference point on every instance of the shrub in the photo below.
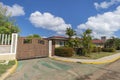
(64, 51)
(96, 49)
(108, 49)
(79, 51)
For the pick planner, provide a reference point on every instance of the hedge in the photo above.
(108, 49)
(96, 49)
(64, 51)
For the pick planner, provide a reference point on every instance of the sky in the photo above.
(52, 17)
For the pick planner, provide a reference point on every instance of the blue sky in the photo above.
(52, 17)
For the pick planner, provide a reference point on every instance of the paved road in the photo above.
(111, 72)
(47, 69)
(108, 72)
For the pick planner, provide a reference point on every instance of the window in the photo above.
(41, 42)
(61, 43)
(27, 41)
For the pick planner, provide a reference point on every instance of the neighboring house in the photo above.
(99, 42)
(58, 41)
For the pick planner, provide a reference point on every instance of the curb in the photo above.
(10, 71)
(102, 62)
(58, 59)
(88, 62)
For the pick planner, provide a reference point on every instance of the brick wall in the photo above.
(32, 48)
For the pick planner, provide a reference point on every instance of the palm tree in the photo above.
(70, 32)
(87, 42)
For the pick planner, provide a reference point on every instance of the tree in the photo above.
(117, 43)
(34, 36)
(7, 24)
(71, 41)
(74, 43)
(113, 43)
(70, 32)
(87, 42)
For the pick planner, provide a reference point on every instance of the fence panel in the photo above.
(32, 48)
(5, 39)
(8, 46)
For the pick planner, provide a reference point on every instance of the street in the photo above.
(109, 72)
(48, 69)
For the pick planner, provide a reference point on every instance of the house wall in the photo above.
(59, 43)
(99, 45)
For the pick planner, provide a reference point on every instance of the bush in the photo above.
(96, 49)
(118, 48)
(79, 51)
(64, 51)
(108, 49)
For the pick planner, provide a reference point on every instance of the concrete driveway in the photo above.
(48, 69)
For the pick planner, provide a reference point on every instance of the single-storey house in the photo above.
(59, 41)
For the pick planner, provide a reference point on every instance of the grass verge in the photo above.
(4, 68)
(95, 55)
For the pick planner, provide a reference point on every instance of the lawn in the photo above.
(4, 68)
(96, 55)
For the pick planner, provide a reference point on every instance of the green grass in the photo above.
(96, 55)
(2, 61)
(4, 68)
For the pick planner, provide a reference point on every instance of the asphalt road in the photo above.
(108, 72)
(48, 69)
(112, 72)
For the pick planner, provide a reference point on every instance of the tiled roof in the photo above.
(95, 41)
(57, 37)
(98, 41)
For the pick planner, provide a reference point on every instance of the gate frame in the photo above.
(14, 42)
(13, 48)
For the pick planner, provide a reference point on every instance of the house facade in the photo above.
(99, 42)
(58, 41)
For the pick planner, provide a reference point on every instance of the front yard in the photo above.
(96, 55)
(5, 67)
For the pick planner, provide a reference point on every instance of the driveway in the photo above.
(48, 69)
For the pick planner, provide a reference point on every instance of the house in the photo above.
(99, 42)
(58, 41)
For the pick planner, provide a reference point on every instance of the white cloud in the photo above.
(103, 24)
(48, 21)
(106, 4)
(15, 10)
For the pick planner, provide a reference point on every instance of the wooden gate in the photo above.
(32, 48)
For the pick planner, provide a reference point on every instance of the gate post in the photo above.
(50, 48)
(14, 43)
